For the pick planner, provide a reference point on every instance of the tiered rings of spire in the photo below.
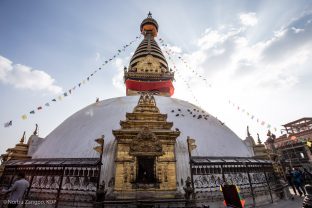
(148, 69)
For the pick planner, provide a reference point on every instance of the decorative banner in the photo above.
(71, 90)
(178, 73)
(169, 51)
(186, 83)
(251, 116)
(187, 65)
(7, 124)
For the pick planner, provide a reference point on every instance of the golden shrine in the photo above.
(19, 152)
(145, 154)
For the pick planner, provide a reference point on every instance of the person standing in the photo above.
(298, 181)
(17, 191)
(308, 175)
(290, 180)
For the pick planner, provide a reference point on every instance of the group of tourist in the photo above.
(297, 179)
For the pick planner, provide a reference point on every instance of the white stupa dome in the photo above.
(74, 138)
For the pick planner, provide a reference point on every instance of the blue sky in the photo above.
(255, 53)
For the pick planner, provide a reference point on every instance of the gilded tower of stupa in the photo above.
(148, 69)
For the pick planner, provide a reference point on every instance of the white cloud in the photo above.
(280, 33)
(248, 19)
(24, 77)
(227, 54)
(297, 30)
(5, 67)
(97, 56)
(118, 80)
(244, 70)
(175, 49)
(210, 39)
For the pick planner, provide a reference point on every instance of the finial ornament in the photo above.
(99, 148)
(259, 140)
(149, 14)
(248, 133)
(36, 130)
(269, 133)
(23, 138)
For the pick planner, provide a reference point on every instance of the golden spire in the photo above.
(248, 133)
(149, 24)
(19, 152)
(148, 69)
(149, 15)
(23, 138)
(259, 140)
(36, 130)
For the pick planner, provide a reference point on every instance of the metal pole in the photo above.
(223, 177)
(30, 183)
(60, 187)
(290, 161)
(2, 176)
(100, 166)
(266, 179)
(292, 146)
(11, 181)
(191, 167)
(250, 184)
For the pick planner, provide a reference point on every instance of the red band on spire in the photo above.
(161, 86)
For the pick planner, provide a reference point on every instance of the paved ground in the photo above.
(296, 203)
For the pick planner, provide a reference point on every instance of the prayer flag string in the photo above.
(203, 78)
(185, 82)
(78, 85)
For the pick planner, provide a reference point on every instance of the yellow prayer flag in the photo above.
(237, 188)
(191, 141)
(24, 117)
(98, 149)
(193, 146)
(100, 140)
(309, 143)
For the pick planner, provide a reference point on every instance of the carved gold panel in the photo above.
(149, 64)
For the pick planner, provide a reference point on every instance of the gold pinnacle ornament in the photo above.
(100, 141)
(191, 143)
